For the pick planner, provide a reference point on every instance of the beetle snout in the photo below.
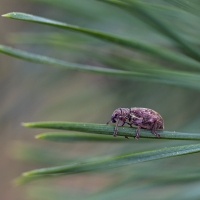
(113, 119)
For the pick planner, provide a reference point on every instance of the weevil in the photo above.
(141, 117)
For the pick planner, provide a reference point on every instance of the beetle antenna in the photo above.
(108, 122)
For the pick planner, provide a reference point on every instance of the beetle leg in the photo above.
(126, 135)
(154, 129)
(129, 124)
(137, 133)
(123, 124)
(116, 128)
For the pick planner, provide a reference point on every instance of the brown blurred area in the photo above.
(31, 92)
(10, 104)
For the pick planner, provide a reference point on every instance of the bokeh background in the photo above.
(33, 92)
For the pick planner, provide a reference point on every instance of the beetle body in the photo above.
(141, 117)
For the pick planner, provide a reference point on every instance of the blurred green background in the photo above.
(33, 92)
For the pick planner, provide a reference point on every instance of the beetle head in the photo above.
(115, 116)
